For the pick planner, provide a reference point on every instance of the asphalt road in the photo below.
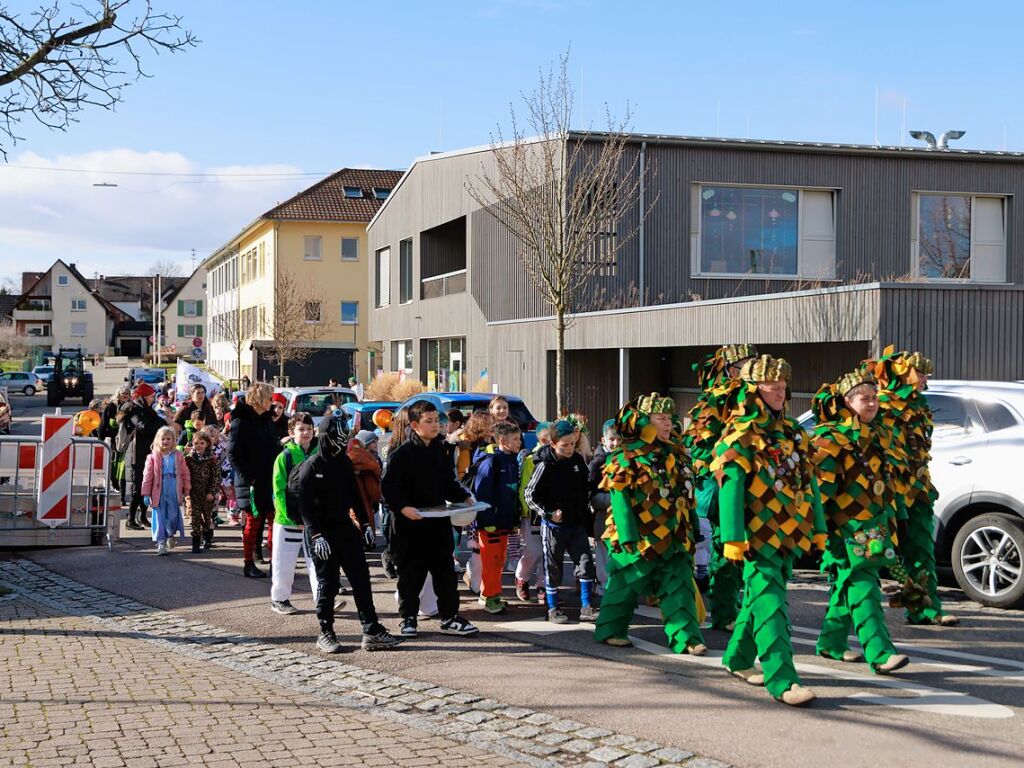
(960, 702)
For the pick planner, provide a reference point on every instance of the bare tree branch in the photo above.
(296, 323)
(164, 268)
(56, 61)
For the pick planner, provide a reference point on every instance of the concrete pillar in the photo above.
(624, 385)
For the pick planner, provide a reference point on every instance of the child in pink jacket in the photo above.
(165, 484)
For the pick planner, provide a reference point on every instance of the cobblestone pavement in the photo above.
(102, 680)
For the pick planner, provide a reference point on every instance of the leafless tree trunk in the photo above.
(296, 322)
(564, 196)
(65, 56)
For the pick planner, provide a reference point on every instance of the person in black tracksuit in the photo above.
(325, 493)
(558, 493)
(419, 474)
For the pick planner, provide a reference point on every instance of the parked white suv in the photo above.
(977, 447)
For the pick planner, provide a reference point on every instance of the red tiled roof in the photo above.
(326, 201)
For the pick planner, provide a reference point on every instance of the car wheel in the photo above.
(987, 556)
(29, 390)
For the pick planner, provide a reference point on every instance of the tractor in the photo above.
(70, 379)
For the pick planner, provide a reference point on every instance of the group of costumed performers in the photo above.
(857, 490)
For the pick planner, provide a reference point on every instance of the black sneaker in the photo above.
(555, 616)
(284, 607)
(457, 625)
(382, 641)
(328, 642)
(408, 627)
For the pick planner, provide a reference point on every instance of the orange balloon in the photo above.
(88, 421)
(382, 418)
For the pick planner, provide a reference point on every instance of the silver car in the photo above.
(977, 446)
(21, 381)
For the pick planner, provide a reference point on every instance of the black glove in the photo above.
(321, 549)
(369, 538)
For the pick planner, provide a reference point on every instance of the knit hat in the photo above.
(562, 428)
(143, 390)
(365, 437)
(279, 399)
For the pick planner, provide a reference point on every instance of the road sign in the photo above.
(152, 339)
(197, 342)
(197, 353)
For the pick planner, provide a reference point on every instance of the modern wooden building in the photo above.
(821, 253)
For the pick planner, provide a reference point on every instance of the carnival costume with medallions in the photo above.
(648, 532)
(906, 412)
(707, 420)
(770, 515)
(856, 465)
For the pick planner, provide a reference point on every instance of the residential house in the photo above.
(819, 253)
(60, 309)
(315, 244)
(183, 317)
(134, 295)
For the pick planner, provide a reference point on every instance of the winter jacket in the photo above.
(419, 475)
(280, 428)
(141, 423)
(186, 411)
(153, 477)
(326, 496)
(368, 471)
(497, 482)
(286, 461)
(599, 500)
(529, 463)
(108, 421)
(559, 484)
(252, 448)
(204, 477)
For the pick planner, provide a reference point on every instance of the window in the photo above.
(444, 361)
(949, 416)
(995, 415)
(313, 311)
(353, 192)
(381, 193)
(349, 248)
(959, 237)
(769, 231)
(382, 278)
(78, 305)
(401, 356)
(312, 247)
(318, 403)
(190, 331)
(349, 312)
(405, 271)
(62, 280)
(189, 308)
(79, 329)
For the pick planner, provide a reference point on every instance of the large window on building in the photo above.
(444, 358)
(79, 329)
(349, 312)
(401, 356)
(382, 278)
(405, 271)
(959, 237)
(763, 231)
(350, 249)
(311, 247)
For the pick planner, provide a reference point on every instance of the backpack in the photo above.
(124, 437)
(469, 479)
(291, 490)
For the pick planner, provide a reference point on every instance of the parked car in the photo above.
(979, 515)
(20, 381)
(44, 373)
(467, 402)
(5, 415)
(152, 376)
(360, 415)
(316, 401)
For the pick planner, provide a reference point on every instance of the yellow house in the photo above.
(309, 251)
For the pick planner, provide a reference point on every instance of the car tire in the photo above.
(29, 390)
(993, 535)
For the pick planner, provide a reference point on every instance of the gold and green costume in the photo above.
(769, 509)
(648, 531)
(706, 422)
(905, 411)
(856, 465)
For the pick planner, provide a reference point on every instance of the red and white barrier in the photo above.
(54, 502)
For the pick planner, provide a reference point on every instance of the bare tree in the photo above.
(13, 345)
(296, 322)
(164, 268)
(227, 327)
(62, 57)
(565, 197)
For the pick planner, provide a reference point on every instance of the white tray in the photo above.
(461, 514)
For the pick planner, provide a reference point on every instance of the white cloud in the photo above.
(47, 214)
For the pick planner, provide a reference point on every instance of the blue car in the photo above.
(467, 402)
(360, 415)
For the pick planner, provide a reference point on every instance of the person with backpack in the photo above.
(419, 475)
(362, 451)
(136, 432)
(496, 482)
(324, 487)
(287, 528)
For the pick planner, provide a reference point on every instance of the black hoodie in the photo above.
(252, 447)
(559, 484)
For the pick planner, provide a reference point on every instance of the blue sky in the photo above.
(315, 86)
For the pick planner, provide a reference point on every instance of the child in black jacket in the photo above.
(558, 493)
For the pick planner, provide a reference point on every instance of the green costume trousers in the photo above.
(726, 577)
(917, 548)
(670, 579)
(762, 628)
(855, 603)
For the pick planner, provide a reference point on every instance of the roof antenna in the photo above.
(941, 143)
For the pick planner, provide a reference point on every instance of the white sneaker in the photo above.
(161, 548)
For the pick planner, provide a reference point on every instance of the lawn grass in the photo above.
(12, 365)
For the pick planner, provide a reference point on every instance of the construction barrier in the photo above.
(115, 362)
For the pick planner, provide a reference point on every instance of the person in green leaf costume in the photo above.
(856, 461)
(648, 533)
(717, 377)
(770, 514)
(902, 380)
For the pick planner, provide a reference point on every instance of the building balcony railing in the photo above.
(38, 341)
(444, 285)
(36, 312)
